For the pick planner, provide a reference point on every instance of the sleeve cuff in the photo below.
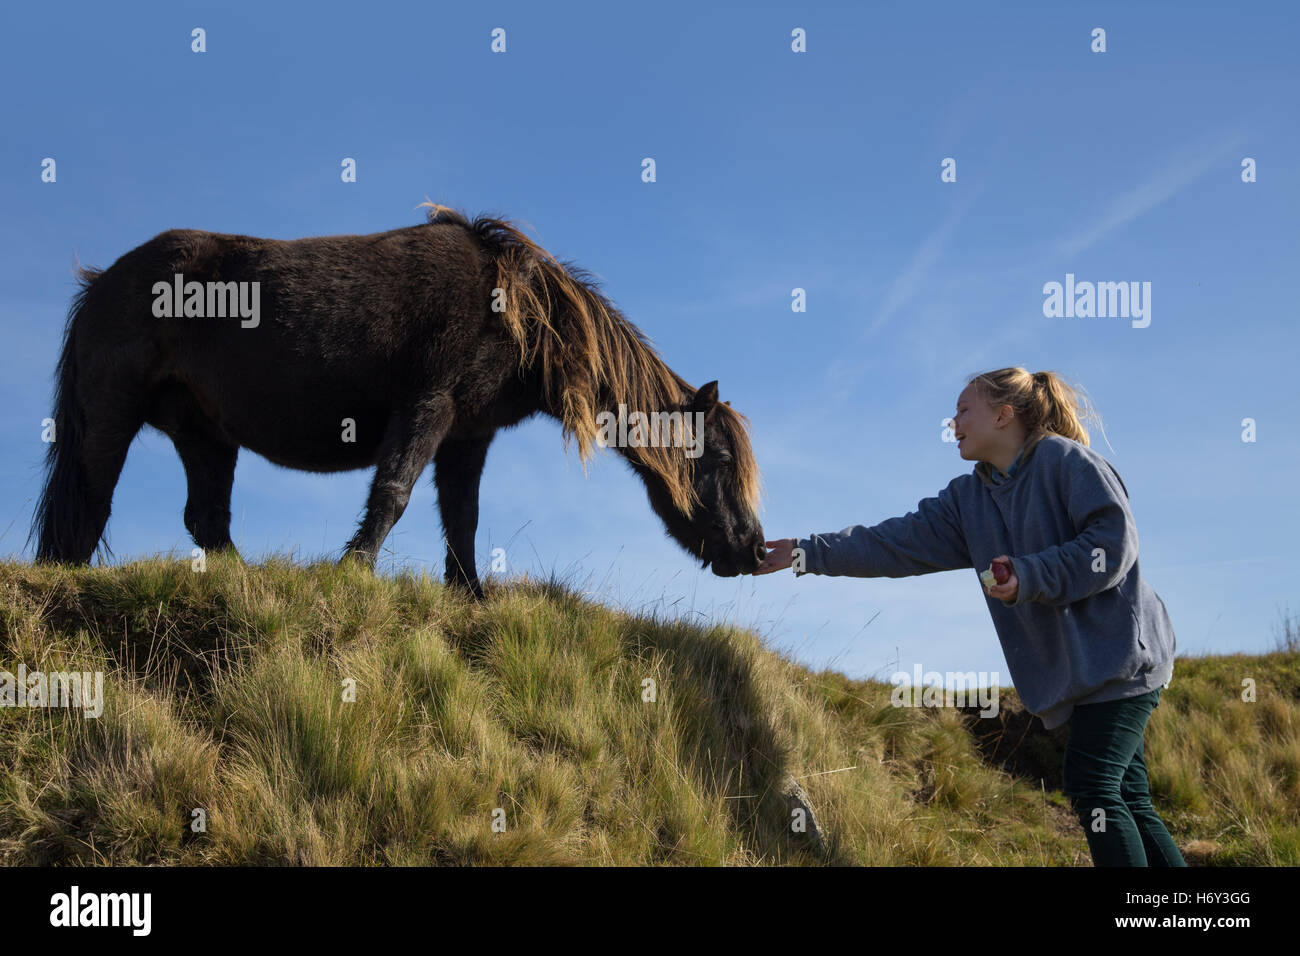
(1023, 570)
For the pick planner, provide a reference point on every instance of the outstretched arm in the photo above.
(921, 542)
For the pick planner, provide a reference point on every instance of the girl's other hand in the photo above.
(780, 555)
(1008, 589)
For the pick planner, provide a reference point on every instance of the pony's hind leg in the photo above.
(209, 460)
(209, 475)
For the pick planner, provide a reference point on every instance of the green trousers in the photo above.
(1106, 781)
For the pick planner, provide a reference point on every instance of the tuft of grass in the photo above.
(278, 714)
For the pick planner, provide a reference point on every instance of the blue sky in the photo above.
(775, 171)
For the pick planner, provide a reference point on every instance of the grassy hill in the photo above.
(520, 731)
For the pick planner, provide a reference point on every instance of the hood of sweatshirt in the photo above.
(985, 470)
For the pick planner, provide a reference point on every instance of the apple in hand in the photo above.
(999, 572)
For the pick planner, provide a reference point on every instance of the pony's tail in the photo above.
(59, 509)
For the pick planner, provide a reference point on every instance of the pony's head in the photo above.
(708, 504)
(590, 360)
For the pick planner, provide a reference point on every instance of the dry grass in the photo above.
(225, 693)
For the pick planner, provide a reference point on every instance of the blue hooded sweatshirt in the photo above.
(1085, 626)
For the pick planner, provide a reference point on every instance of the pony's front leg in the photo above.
(458, 466)
(410, 441)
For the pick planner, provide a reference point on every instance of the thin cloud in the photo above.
(911, 280)
(844, 372)
(1178, 174)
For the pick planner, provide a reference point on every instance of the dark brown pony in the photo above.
(388, 350)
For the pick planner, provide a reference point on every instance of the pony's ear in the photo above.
(705, 398)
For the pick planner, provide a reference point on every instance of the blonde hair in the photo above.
(1042, 401)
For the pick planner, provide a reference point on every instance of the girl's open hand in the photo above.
(1008, 589)
(780, 555)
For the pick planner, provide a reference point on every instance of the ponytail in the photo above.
(1043, 401)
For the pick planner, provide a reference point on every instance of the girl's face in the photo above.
(976, 424)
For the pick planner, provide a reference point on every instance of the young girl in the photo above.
(1086, 639)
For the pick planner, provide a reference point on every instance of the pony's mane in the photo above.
(587, 350)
